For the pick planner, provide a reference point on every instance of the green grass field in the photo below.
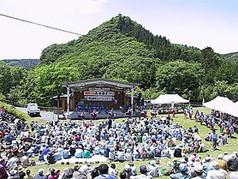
(186, 123)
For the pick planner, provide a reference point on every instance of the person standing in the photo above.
(214, 139)
(109, 123)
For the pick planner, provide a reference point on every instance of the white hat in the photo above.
(13, 172)
(153, 162)
(198, 168)
(127, 167)
(215, 165)
(220, 156)
(208, 159)
(41, 170)
(182, 160)
(197, 159)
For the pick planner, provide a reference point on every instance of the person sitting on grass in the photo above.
(103, 170)
(54, 174)
(40, 175)
(144, 173)
(217, 172)
(28, 175)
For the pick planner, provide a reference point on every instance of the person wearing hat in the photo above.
(207, 165)
(153, 169)
(144, 173)
(112, 170)
(133, 169)
(111, 154)
(182, 173)
(103, 170)
(217, 172)
(198, 172)
(214, 139)
(13, 174)
(86, 167)
(127, 169)
(40, 174)
(21, 173)
(222, 163)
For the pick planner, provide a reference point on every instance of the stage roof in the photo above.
(99, 83)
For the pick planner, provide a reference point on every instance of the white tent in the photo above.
(169, 99)
(219, 104)
(234, 110)
(224, 105)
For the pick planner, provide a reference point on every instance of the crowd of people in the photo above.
(216, 119)
(131, 140)
(191, 167)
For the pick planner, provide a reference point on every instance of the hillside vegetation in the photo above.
(231, 57)
(124, 50)
(24, 63)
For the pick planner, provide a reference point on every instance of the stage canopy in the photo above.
(224, 105)
(169, 99)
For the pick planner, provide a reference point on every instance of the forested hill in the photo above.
(124, 50)
(121, 26)
(24, 63)
(231, 57)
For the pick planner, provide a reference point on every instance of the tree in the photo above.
(49, 79)
(9, 77)
(135, 69)
(219, 88)
(227, 72)
(179, 77)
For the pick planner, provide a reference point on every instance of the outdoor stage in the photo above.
(98, 99)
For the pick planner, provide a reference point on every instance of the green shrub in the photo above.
(12, 110)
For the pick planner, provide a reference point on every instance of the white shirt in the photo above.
(217, 174)
(153, 170)
(234, 175)
(142, 176)
(112, 171)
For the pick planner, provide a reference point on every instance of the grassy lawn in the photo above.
(186, 123)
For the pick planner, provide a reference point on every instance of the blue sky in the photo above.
(199, 23)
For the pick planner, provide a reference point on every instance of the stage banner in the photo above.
(99, 94)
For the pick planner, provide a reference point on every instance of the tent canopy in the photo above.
(219, 103)
(169, 99)
(224, 105)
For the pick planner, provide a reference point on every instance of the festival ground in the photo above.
(186, 123)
